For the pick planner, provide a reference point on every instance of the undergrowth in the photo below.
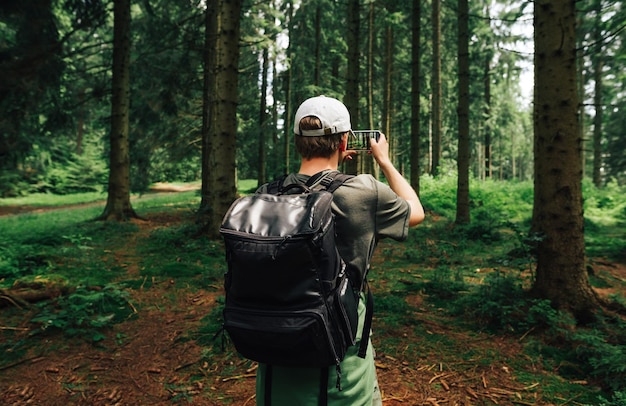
(480, 274)
(500, 305)
(85, 313)
(88, 262)
(475, 276)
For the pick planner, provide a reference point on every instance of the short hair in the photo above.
(323, 146)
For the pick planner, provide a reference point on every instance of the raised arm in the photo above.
(397, 182)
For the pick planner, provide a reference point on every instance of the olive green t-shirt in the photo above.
(366, 211)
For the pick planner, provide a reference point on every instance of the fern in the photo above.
(85, 313)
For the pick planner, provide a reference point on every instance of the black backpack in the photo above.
(289, 300)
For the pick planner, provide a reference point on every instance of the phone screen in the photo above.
(360, 139)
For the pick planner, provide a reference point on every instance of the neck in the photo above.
(315, 165)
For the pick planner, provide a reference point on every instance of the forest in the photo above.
(127, 128)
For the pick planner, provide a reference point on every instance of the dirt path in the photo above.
(152, 361)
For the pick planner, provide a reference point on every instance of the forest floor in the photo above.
(152, 360)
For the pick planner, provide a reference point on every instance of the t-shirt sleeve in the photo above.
(392, 214)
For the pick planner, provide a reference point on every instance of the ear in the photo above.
(344, 143)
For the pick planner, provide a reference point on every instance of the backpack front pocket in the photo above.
(281, 338)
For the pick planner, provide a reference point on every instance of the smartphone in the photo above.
(360, 139)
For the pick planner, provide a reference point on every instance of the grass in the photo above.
(51, 200)
(468, 281)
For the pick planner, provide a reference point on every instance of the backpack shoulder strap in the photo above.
(328, 181)
(367, 326)
(274, 187)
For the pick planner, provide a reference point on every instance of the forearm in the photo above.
(380, 151)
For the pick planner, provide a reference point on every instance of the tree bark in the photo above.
(597, 98)
(263, 117)
(558, 207)
(318, 41)
(415, 96)
(222, 168)
(387, 100)
(370, 66)
(118, 205)
(462, 194)
(488, 147)
(367, 164)
(351, 99)
(288, 89)
(387, 79)
(436, 87)
(208, 94)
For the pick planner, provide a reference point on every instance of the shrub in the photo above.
(86, 312)
(600, 350)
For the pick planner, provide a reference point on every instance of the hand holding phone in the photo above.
(379, 149)
(359, 140)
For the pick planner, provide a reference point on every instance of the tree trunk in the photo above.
(208, 94)
(558, 206)
(80, 125)
(387, 99)
(288, 102)
(275, 92)
(436, 87)
(118, 205)
(351, 99)
(386, 118)
(222, 180)
(598, 65)
(263, 117)
(318, 41)
(488, 148)
(513, 158)
(367, 164)
(580, 58)
(415, 96)
(462, 194)
(370, 68)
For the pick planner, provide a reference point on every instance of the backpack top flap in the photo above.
(267, 215)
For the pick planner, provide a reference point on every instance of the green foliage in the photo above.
(477, 274)
(74, 174)
(51, 200)
(211, 331)
(605, 219)
(600, 350)
(618, 399)
(20, 260)
(86, 312)
(480, 274)
(438, 195)
(247, 186)
(393, 309)
(444, 285)
(182, 253)
(491, 202)
(500, 304)
(13, 184)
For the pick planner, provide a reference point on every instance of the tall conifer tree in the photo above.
(558, 205)
(118, 205)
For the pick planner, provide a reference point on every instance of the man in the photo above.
(366, 210)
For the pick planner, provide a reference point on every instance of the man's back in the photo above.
(366, 211)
